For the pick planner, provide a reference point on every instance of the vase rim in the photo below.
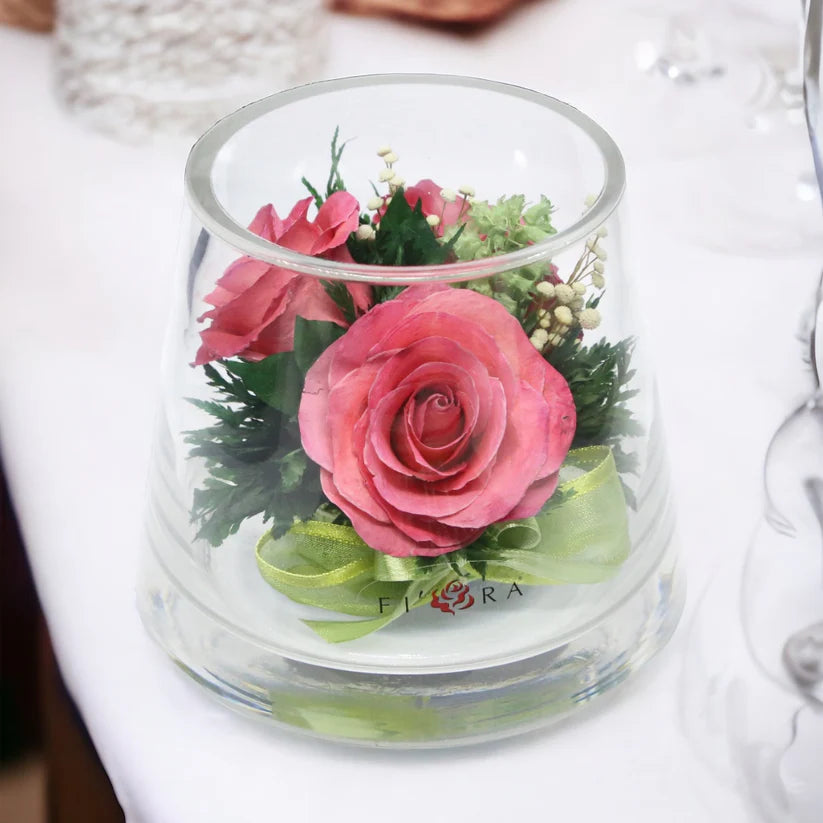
(217, 221)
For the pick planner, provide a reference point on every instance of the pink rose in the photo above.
(431, 202)
(432, 417)
(255, 303)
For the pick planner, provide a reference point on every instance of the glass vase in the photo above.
(408, 485)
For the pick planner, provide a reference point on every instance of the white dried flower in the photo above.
(398, 181)
(383, 151)
(602, 232)
(539, 338)
(390, 158)
(388, 200)
(449, 195)
(375, 203)
(386, 175)
(576, 304)
(466, 191)
(591, 243)
(589, 318)
(564, 315)
(365, 232)
(433, 220)
(564, 293)
(544, 322)
(600, 253)
(589, 200)
(579, 287)
(598, 281)
(555, 338)
(599, 267)
(545, 288)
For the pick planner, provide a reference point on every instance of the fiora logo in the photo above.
(454, 594)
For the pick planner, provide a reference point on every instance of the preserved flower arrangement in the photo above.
(400, 438)
(408, 485)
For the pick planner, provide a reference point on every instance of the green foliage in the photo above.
(318, 198)
(500, 228)
(311, 339)
(335, 181)
(336, 289)
(384, 293)
(503, 227)
(403, 238)
(276, 380)
(599, 378)
(253, 450)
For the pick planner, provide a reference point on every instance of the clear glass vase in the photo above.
(422, 504)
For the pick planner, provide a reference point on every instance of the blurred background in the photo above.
(718, 80)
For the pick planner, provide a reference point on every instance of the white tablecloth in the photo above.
(88, 231)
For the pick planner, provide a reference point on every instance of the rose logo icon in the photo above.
(454, 594)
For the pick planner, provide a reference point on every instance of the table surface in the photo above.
(87, 248)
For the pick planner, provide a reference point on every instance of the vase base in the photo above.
(422, 710)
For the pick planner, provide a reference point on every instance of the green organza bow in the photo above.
(581, 536)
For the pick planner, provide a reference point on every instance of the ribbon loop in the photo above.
(580, 536)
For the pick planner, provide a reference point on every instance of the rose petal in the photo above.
(315, 433)
(347, 405)
(469, 335)
(523, 359)
(381, 424)
(389, 449)
(336, 219)
(361, 294)
(387, 538)
(535, 498)
(352, 350)
(485, 447)
(242, 319)
(410, 370)
(562, 420)
(520, 456)
(491, 399)
(418, 497)
(300, 236)
(439, 419)
(307, 298)
(443, 460)
(298, 213)
(343, 503)
(266, 223)
(432, 532)
(238, 277)
(414, 294)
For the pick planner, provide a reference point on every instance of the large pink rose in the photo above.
(432, 417)
(255, 304)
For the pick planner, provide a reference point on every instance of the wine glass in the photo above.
(745, 184)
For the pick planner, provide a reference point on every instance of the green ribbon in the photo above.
(581, 536)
